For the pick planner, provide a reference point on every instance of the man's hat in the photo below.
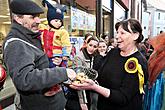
(25, 7)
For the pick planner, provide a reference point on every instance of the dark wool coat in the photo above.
(124, 87)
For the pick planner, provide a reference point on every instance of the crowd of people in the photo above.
(37, 62)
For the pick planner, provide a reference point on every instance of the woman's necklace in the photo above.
(128, 53)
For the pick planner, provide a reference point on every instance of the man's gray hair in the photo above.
(18, 15)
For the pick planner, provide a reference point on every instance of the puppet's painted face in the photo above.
(56, 23)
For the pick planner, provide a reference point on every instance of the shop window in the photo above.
(158, 30)
(106, 23)
(158, 16)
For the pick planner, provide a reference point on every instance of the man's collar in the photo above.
(25, 30)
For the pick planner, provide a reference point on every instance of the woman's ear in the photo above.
(136, 36)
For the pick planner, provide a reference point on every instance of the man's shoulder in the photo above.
(12, 42)
(9, 36)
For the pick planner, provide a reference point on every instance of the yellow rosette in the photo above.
(132, 66)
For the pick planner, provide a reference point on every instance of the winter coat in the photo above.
(28, 68)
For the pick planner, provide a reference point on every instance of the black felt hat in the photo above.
(25, 7)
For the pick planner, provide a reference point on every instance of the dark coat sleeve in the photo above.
(28, 72)
(97, 63)
(128, 90)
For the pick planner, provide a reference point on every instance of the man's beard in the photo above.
(33, 27)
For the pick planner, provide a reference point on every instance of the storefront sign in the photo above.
(81, 20)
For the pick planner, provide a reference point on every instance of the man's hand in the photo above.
(65, 58)
(89, 84)
(57, 61)
(71, 74)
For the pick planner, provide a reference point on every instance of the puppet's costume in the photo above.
(155, 92)
(55, 42)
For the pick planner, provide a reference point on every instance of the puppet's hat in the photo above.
(55, 11)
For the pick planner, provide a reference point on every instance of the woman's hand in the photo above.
(89, 84)
(86, 84)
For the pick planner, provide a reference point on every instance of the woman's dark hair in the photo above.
(92, 38)
(117, 25)
(86, 35)
(111, 41)
(135, 27)
(102, 40)
(103, 36)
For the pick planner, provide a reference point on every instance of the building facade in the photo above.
(154, 18)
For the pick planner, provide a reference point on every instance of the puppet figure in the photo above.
(55, 40)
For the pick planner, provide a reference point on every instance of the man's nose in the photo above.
(37, 20)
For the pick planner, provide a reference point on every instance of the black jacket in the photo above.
(28, 68)
(124, 87)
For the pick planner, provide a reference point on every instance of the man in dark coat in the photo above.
(28, 65)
